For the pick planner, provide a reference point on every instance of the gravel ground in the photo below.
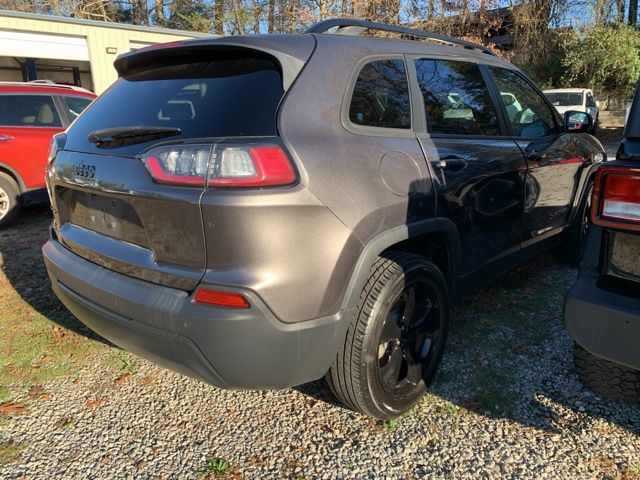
(506, 404)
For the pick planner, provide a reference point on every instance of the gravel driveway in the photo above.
(506, 404)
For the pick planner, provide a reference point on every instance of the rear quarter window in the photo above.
(381, 96)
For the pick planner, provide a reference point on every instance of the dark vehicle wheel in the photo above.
(611, 380)
(396, 338)
(9, 200)
(570, 251)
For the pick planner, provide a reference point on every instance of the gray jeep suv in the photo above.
(260, 211)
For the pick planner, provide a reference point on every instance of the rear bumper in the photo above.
(604, 323)
(228, 348)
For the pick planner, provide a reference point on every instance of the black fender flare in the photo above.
(382, 241)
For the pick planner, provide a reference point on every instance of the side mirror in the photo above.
(577, 122)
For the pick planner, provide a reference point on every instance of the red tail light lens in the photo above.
(221, 299)
(251, 166)
(221, 165)
(616, 198)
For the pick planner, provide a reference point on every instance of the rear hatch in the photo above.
(109, 206)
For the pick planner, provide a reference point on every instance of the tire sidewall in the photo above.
(13, 195)
(391, 289)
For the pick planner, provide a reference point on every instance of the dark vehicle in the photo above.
(602, 311)
(276, 208)
(30, 114)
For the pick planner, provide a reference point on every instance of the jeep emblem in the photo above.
(85, 171)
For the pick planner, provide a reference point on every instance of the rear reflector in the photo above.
(251, 165)
(616, 198)
(221, 299)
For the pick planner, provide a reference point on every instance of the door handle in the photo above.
(5, 138)
(451, 162)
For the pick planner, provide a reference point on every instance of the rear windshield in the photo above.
(565, 99)
(204, 97)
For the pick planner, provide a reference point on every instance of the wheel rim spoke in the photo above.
(390, 331)
(414, 372)
(390, 372)
(408, 338)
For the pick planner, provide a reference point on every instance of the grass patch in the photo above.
(10, 451)
(493, 391)
(40, 339)
(217, 466)
(390, 425)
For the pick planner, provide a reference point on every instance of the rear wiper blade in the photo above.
(120, 136)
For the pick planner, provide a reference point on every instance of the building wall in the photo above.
(99, 36)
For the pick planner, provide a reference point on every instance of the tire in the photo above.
(608, 379)
(572, 248)
(9, 200)
(396, 338)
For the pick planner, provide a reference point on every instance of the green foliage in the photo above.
(603, 58)
(193, 15)
(390, 425)
(217, 466)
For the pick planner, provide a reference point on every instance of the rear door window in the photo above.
(75, 105)
(28, 111)
(208, 96)
(456, 98)
(381, 96)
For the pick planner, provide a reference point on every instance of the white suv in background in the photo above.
(579, 99)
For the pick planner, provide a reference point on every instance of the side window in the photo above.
(75, 105)
(381, 96)
(528, 113)
(28, 111)
(456, 98)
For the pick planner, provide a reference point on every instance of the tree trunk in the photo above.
(140, 13)
(257, 13)
(271, 16)
(218, 13)
(159, 6)
(633, 12)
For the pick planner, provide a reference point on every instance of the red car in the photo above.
(30, 113)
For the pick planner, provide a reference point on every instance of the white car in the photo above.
(579, 99)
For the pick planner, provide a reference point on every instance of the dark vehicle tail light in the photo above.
(57, 143)
(221, 165)
(616, 198)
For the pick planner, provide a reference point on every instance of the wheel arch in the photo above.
(10, 171)
(407, 238)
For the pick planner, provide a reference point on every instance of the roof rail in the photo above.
(349, 26)
(44, 83)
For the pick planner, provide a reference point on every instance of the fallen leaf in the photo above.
(91, 404)
(37, 391)
(12, 408)
(47, 358)
(122, 379)
(58, 333)
(63, 422)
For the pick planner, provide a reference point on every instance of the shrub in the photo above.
(603, 58)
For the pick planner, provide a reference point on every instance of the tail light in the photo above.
(253, 165)
(57, 143)
(616, 198)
